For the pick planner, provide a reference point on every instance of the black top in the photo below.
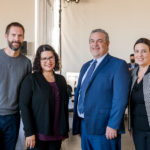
(37, 104)
(139, 114)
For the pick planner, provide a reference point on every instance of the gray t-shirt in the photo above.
(12, 72)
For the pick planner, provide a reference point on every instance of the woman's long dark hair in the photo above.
(36, 63)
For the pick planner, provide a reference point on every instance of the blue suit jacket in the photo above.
(106, 97)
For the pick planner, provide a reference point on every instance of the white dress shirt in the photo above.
(99, 60)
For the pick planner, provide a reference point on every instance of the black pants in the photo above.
(141, 140)
(47, 145)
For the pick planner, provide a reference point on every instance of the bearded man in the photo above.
(14, 67)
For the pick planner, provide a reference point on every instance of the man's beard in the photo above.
(10, 44)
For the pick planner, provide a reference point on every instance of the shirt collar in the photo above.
(99, 60)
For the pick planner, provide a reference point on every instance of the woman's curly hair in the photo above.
(36, 63)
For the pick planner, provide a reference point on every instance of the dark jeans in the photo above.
(47, 145)
(9, 129)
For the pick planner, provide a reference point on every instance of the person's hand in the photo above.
(130, 69)
(30, 141)
(111, 133)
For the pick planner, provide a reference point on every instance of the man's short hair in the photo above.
(101, 31)
(131, 55)
(15, 24)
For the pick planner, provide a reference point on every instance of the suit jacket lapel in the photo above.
(134, 77)
(82, 74)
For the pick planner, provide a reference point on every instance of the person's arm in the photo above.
(66, 100)
(121, 87)
(29, 67)
(25, 104)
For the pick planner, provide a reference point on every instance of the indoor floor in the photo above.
(74, 143)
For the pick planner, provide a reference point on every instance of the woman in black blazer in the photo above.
(139, 108)
(44, 102)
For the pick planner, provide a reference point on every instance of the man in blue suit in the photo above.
(101, 97)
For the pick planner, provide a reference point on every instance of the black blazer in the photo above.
(146, 92)
(37, 105)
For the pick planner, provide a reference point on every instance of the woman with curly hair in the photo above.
(44, 102)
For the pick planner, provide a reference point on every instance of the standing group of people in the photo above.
(40, 94)
(104, 89)
(14, 67)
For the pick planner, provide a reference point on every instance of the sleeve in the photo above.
(29, 67)
(67, 95)
(130, 104)
(121, 88)
(66, 101)
(129, 115)
(25, 104)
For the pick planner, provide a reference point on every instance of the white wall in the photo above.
(21, 11)
(124, 20)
